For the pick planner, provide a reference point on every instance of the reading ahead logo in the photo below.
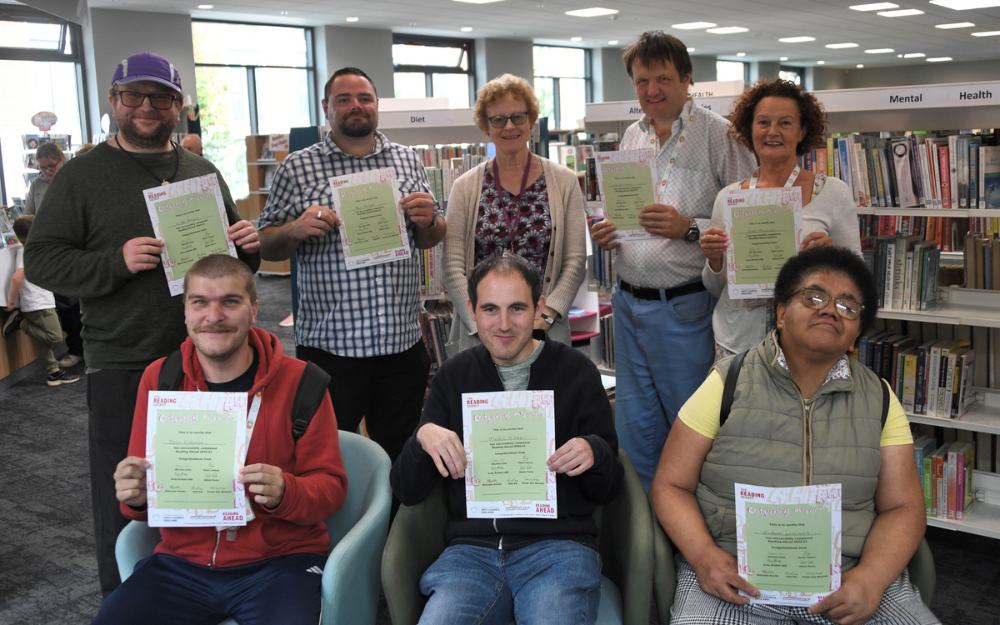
(164, 401)
(157, 195)
(750, 494)
(475, 402)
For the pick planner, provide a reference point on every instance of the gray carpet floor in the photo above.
(47, 569)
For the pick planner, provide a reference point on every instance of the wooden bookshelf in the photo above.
(251, 208)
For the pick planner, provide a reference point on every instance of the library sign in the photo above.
(941, 95)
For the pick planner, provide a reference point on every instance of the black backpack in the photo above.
(308, 395)
(734, 373)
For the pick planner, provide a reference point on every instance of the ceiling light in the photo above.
(879, 51)
(955, 25)
(820, 62)
(784, 58)
(914, 55)
(741, 54)
(899, 56)
(964, 5)
(352, 19)
(690, 49)
(796, 39)
(939, 59)
(992, 33)
(901, 13)
(838, 46)
(284, 12)
(592, 12)
(860, 65)
(613, 42)
(205, 6)
(576, 38)
(693, 26)
(467, 29)
(878, 6)
(728, 30)
(477, 1)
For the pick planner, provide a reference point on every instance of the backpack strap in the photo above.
(172, 372)
(885, 401)
(308, 397)
(730, 388)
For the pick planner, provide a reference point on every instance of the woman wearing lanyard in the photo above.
(779, 121)
(519, 203)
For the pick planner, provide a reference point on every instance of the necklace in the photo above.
(510, 221)
(177, 162)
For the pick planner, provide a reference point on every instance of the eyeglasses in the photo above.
(51, 167)
(159, 101)
(818, 300)
(499, 121)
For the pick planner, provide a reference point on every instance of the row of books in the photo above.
(437, 156)
(905, 270)
(432, 270)
(602, 268)
(31, 142)
(934, 379)
(946, 232)
(607, 328)
(982, 262)
(442, 178)
(946, 474)
(917, 170)
(434, 328)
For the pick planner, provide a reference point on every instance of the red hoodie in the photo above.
(315, 481)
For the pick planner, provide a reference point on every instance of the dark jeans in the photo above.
(388, 391)
(111, 396)
(72, 323)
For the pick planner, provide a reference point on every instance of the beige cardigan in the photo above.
(564, 271)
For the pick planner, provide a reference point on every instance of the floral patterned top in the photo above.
(533, 223)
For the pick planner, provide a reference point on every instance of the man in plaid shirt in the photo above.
(361, 326)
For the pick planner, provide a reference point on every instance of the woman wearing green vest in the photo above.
(802, 414)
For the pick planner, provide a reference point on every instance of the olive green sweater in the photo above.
(91, 209)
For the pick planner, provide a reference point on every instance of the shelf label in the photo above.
(941, 95)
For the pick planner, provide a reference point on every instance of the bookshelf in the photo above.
(257, 175)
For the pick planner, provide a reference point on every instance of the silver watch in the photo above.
(549, 319)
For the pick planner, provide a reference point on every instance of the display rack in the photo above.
(251, 208)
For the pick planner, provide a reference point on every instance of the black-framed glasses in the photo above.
(159, 101)
(499, 121)
(818, 300)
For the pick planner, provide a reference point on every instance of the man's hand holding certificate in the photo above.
(626, 180)
(372, 225)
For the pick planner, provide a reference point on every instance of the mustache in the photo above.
(216, 328)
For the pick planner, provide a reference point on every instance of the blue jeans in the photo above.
(551, 582)
(663, 352)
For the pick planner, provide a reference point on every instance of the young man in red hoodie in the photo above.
(206, 574)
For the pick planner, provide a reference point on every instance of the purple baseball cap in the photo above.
(147, 66)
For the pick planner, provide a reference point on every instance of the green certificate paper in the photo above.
(190, 218)
(195, 442)
(626, 179)
(508, 438)
(765, 229)
(372, 226)
(788, 542)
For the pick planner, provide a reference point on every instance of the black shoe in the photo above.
(59, 376)
(13, 323)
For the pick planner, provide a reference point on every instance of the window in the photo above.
(428, 67)
(40, 70)
(252, 79)
(794, 74)
(563, 85)
(731, 70)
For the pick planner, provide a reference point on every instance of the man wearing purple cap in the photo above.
(94, 240)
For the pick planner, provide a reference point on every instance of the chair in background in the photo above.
(416, 539)
(357, 537)
(922, 573)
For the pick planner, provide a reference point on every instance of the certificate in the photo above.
(372, 226)
(788, 542)
(626, 179)
(190, 218)
(194, 442)
(508, 438)
(764, 227)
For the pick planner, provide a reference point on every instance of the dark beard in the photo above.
(356, 129)
(132, 134)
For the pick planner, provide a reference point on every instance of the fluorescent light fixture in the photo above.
(901, 13)
(741, 54)
(914, 55)
(205, 6)
(955, 25)
(939, 59)
(576, 39)
(784, 58)
(477, 1)
(592, 12)
(353, 19)
(467, 29)
(838, 46)
(613, 42)
(284, 12)
(728, 30)
(965, 5)
(860, 65)
(693, 26)
(796, 39)
(877, 6)
(992, 33)
(820, 62)
(879, 51)
(690, 49)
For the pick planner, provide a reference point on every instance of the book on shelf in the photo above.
(905, 271)
(989, 176)
(434, 329)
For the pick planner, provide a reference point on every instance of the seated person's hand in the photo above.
(573, 458)
(714, 243)
(717, 575)
(266, 483)
(130, 481)
(854, 603)
(445, 448)
(815, 239)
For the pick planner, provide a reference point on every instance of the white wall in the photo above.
(367, 49)
(611, 81)
(495, 57)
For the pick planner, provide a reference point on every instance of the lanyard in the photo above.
(788, 183)
(689, 110)
(511, 222)
(251, 426)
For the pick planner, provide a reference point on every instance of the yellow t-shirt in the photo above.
(701, 413)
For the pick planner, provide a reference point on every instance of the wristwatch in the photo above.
(693, 234)
(548, 319)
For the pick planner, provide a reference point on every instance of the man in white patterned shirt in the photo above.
(361, 326)
(664, 344)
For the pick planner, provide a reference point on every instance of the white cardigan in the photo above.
(566, 265)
